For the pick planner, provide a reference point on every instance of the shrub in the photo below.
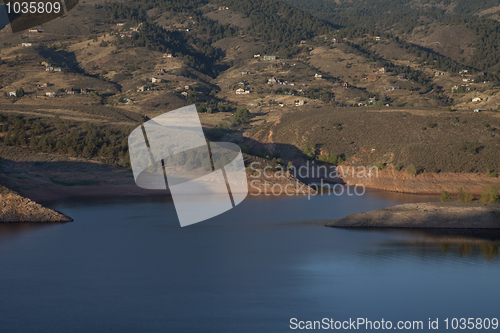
(397, 167)
(379, 165)
(411, 169)
(464, 195)
(309, 150)
(490, 194)
(241, 116)
(445, 196)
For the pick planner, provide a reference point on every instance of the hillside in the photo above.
(332, 81)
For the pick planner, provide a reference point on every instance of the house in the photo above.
(477, 110)
(272, 80)
(318, 76)
(302, 42)
(245, 73)
(477, 99)
(466, 80)
(44, 85)
(141, 88)
(184, 93)
(187, 87)
(223, 8)
(344, 85)
(155, 80)
(26, 44)
(12, 94)
(135, 29)
(402, 76)
(49, 69)
(378, 38)
(335, 40)
(438, 73)
(50, 94)
(168, 55)
(256, 55)
(84, 91)
(300, 102)
(161, 71)
(269, 58)
(242, 91)
(454, 88)
(70, 91)
(33, 31)
(381, 70)
(57, 69)
(121, 24)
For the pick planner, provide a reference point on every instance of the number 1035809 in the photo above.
(471, 323)
(33, 7)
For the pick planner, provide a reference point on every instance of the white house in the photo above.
(155, 80)
(476, 99)
(50, 94)
(299, 102)
(269, 57)
(242, 91)
(26, 44)
(318, 76)
(12, 94)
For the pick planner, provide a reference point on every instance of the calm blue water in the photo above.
(126, 266)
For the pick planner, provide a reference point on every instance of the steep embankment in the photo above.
(426, 183)
(14, 208)
(426, 215)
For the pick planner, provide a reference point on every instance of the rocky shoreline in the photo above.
(14, 209)
(432, 215)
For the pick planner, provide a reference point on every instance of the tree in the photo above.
(445, 196)
(490, 194)
(241, 116)
(464, 195)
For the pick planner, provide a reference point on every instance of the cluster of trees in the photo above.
(108, 144)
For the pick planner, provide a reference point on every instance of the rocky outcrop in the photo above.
(15, 208)
(426, 215)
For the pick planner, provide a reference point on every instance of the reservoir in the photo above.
(125, 265)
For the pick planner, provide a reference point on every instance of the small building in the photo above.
(318, 76)
(121, 24)
(245, 73)
(223, 8)
(84, 91)
(402, 76)
(70, 91)
(438, 73)
(12, 94)
(27, 44)
(300, 102)
(49, 69)
(184, 93)
(141, 88)
(168, 55)
(57, 69)
(269, 57)
(335, 40)
(378, 38)
(44, 85)
(302, 42)
(33, 31)
(477, 99)
(242, 91)
(272, 80)
(381, 70)
(256, 55)
(187, 87)
(156, 80)
(50, 94)
(344, 85)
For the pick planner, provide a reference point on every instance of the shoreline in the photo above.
(429, 215)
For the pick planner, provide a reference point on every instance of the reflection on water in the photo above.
(10, 229)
